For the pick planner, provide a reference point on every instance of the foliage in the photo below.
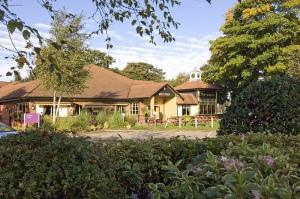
(130, 119)
(143, 71)
(271, 105)
(60, 65)
(98, 58)
(261, 39)
(55, 166)
(101, 118)
(179, 79)
(65, 124)
(115, 120)
(82, 121)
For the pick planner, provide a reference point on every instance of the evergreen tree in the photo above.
(261, 39)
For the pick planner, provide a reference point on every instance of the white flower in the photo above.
(223, 158)
(208, 174)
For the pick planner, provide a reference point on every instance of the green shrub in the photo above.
(36, 165)
(130, 119)
(64, 124)
(271, 105)
(55, 166)
(115, 120)
(101, 118)
(46, 123)
(82, 121)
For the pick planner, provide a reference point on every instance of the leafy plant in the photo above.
(130, 119)
(271, 105)
(101, 118)
(115, 120)
(82, 121)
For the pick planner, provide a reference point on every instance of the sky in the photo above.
(200, 23)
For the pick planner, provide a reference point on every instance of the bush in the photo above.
(130, 119)
(46, 123)
(82, 121)
(55, 166)
(272, 105)
(64, 124)
(115, 120)
(34, 165)
(101, 118)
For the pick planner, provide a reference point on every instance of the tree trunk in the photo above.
(58, 105)
(54, 108)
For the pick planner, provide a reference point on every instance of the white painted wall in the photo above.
(39, 109)
(194, 110)
(63, 111)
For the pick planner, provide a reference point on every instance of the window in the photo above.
(120, 108)
(207, 107)
(186, 110)
(134, 109)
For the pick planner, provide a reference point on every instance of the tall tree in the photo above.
(260, 39)
(60, 64)
(179, 79)
(98, 58)
(143, 71)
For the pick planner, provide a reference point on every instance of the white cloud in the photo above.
(183, 55)
(42, 26)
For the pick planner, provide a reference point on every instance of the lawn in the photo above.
(202, 127)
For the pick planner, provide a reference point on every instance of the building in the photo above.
(104, 91)
(200, 97)
(1, 106)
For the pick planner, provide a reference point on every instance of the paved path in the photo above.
(146, 134)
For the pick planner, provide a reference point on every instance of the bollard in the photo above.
(212, 122)
(196, 122)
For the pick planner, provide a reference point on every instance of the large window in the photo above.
(134, 108)
(207, 106)
(186, 110)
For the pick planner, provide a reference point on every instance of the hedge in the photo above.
(39, 165)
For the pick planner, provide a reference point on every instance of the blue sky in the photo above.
(200, 23)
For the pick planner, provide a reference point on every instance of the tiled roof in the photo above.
(2, 83)
(103, 83)
(188, 99)
(191, 85)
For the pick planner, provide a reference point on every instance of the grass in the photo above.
(202, 127)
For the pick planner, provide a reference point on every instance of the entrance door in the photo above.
(157, 110)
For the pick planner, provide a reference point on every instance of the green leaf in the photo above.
(1, 15)
(133, 22)
(26, 34)
(229, 178)
(11, 26)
